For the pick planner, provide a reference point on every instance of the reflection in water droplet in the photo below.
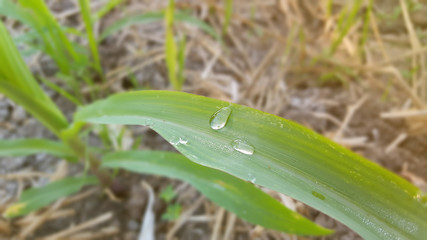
(219, 119)
(251, 178)
(243, 147)
(178, 141)
(318, 195)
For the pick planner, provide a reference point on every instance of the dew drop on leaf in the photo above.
(219, 119)
(251, 178)
(243, 147)
(178, 141)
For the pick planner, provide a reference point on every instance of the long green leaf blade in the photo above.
(55, 41)
(36, 198)
(17, 83)
(157, 16)
(87, 19)
(238, 196)
(25, 147)
(285, 157)
(171, 52)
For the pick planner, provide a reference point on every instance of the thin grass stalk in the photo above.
(87, 19)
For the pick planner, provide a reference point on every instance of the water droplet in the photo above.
(149, 123)
(243, 147)
(219, 119)
(318, 195)
(178, 141)
(251, 178)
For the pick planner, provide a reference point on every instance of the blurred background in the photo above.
(354, 71)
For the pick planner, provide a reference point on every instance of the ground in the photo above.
(273, 58)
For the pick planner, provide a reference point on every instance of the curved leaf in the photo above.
(157, 16)
(24, 147)
(280, 154)
(240, 197)
(17, 83)
(36, 198)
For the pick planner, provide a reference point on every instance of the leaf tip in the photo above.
(14, 210)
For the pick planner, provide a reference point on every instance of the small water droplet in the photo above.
(178, 141)
(219, 119)
(251, 178)
(243, 147)
(149, 123)
(318, 195)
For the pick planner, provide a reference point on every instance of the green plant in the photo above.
(173, 210)
(26, 91)
(226, 149)
(174, 56)
(48, 36)
(228, 12)
(346, 19)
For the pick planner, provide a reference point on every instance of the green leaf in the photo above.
(154, 17)
(87, 19)
(48, 114)
(36, 198)
(167, 194)
(129, 21)
(187, 18)
(171, 51)
(110, 5)
(228, 12)
(287, 157)
(56, 43)
(240, 197)
(172, 212)
(24, 147)
(17, 83)
(10, 9)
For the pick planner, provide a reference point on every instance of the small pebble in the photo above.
(19, 114)
(132, 225)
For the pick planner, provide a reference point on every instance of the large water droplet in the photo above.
(219, 119)
(318, 195)
(178, 141)
(251, 178)
(243, 147)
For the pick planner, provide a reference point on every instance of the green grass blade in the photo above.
(110, 5)
(181, 60)
(154, 17)
(61, 91)
(345, 22)
(238, 196)
(280, 154)
(36, 198)
(54, 39)
(130, 21)
(171, 52)
(228, 12)
(187, 18)
(17, 83)
(87, 19)
(25, 147)
(10, 9)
